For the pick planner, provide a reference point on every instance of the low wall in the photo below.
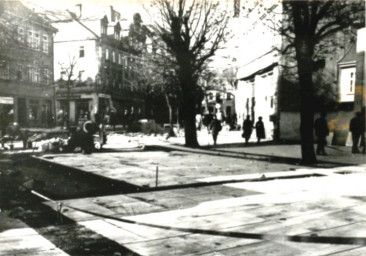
(338, 123)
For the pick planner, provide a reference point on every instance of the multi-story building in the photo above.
(26, 70)
(94, 66)
(258, 65)
(360, 90)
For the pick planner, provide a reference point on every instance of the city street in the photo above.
(227, 200)
(181, 128)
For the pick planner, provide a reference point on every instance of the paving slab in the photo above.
(227, 206)
(275, 211)
(26, 241)
(173, 168)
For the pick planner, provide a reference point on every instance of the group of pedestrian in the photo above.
(248, 129)
(356, 127)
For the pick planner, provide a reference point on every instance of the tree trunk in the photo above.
(304, 51)
(68, 107)
(188, 85)
(171, 130)
(189, 118)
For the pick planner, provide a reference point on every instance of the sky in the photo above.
(126, 7)
(93, 7)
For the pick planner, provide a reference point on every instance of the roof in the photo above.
(349, 56)
(258, 66)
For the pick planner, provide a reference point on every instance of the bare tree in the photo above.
(207, 81)
(309, 24)
(68, 70)
(308, 30)
(192, 32)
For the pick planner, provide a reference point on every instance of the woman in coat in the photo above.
(215, 127)
(247, 129)
(259, 128)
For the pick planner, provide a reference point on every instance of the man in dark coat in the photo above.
(247, 129)
(356, 128)
(259, 128)
(363, 142)
(215, 127)
(321, 132)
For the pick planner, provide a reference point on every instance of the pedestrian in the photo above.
(60, 118)
(355, 127)
(198, 121)
(207, 119)
(363, 142)
(247, 129)
(321, 132)
(215, 127)
(259, 129)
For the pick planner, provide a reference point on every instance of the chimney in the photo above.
(112, 13)
(79, 12)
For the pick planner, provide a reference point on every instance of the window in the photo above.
(351, 80)
(5, 72)
(106, 54)
(347, 84)
(30, 74)
(20, 72)
(37, 75)
(36, 41)
(119, 59)
(21, 35)
(46, 76)
(81, 52)
(45, 44)
(272, 102)
(34, 75)
(30, 39)
(33, 110)
(116, 35)
(104, 29)
(113, 57)
(100, 52)
(80, 76)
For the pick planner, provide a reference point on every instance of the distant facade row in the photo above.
(51, 65)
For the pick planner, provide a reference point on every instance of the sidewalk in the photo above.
(230, 143)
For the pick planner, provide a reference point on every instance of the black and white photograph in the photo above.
(182, 127)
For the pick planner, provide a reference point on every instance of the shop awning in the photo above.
(7, 100)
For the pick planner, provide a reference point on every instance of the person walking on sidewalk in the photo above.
(321, 132)
(363, 142)
(259, 129)
(215, 127)
(355, 127)
(247, 129)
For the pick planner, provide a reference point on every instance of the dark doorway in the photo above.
(22, 112)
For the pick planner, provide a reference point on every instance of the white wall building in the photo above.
(258, 63)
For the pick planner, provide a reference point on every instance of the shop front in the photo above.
(83, 107)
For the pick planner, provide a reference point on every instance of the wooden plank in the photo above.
(20, 244)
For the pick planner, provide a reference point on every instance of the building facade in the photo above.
(267, 78)
(95, 68)
(26, 70)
